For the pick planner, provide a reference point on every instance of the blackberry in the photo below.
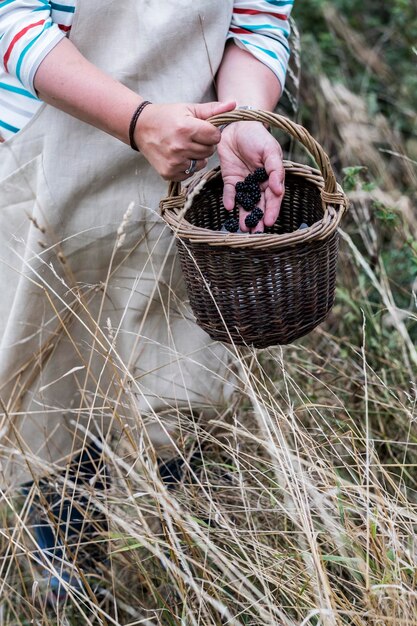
(260, 175)
(251, 186)
(250, 178)
(246, 202)
(258, 213)
(231, 224)
(251, 221)
(255, 196)
(253, 190)
(250, 194)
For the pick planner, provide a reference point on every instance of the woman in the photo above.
(92, 307)
(95, 329)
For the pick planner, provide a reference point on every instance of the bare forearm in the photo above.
(67, 81)
(245, 79)
(170, 136)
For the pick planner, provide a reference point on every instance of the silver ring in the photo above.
(190, 170)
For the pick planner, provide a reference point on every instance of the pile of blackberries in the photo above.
(248, 194)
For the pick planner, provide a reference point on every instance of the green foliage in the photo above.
(353, 177)
(388, 30)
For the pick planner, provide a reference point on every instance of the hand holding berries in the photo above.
(248, 150)
(248, 194)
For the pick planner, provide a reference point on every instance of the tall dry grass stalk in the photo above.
(301, 510)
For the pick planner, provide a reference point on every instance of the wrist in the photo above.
(246, 107)
(146, 127)
(133, 124)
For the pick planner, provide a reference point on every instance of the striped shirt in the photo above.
(29, 29)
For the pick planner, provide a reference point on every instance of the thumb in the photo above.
(207, 109)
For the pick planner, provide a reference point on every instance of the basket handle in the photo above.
(330, 194)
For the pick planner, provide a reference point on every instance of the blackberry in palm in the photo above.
(260, 175)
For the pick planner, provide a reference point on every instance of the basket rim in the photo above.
(174, 209)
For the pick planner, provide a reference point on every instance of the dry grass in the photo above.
(303, 510)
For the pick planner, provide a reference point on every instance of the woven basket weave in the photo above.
(267, 289)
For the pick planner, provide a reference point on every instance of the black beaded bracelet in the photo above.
(133, 123)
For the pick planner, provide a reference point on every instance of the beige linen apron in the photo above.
(92, 298)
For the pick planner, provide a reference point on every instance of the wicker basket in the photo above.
(266, 289)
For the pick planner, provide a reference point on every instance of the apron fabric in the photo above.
(95, 324)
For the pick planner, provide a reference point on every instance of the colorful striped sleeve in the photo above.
(262, 28)
(27, 34)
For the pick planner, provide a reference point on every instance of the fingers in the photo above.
(198, 141)
(187, 165)
(181, 160)
(274, 188)
(208, 109)
(192, 151)
(200, 151)
(229, 193)
(273, 200)
(179, 174)
(204, 132)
